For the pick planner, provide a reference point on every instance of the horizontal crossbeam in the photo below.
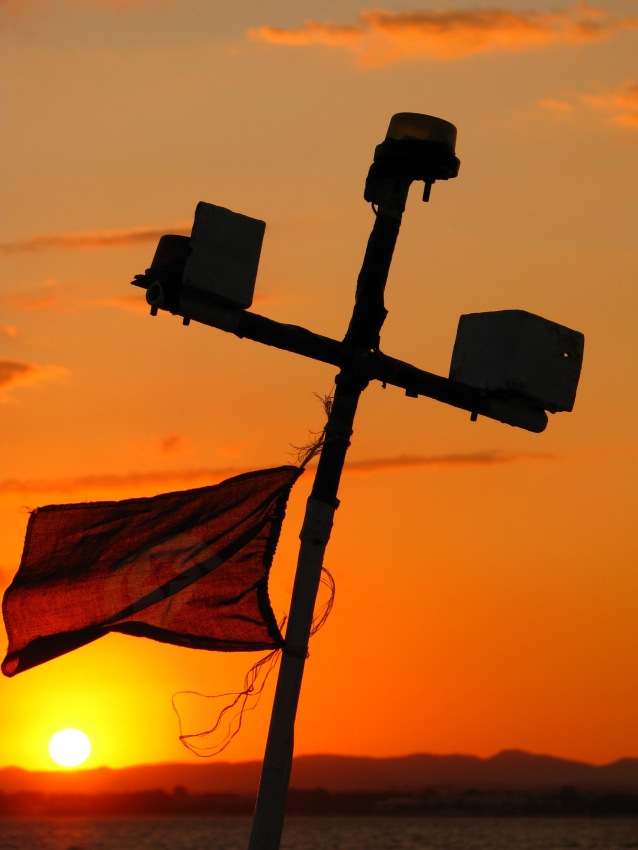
(193, 305)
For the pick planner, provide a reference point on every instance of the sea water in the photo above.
(321, 833)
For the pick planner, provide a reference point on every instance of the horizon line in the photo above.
(506, 751)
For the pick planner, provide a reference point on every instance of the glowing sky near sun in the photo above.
(486, 577)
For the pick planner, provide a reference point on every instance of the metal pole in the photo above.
(363, 335)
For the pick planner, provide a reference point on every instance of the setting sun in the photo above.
(69, 747)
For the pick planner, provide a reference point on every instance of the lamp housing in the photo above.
(416, 147)
(514, 353)
(219, 260)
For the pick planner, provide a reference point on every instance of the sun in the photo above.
(69, 747)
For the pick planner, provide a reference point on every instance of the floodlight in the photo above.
(224, 255)
(519, 355)
(218, 263)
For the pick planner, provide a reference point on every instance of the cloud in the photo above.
(92, 240)
(8, 330)
(48, 295)
(460, 459)
(149, 481)
(174, 444)
(381, 38)
(158, 480)
(620, 105)
(54, 297)
(559, 108)
(14, 373)
(129, 303)
(59, 298)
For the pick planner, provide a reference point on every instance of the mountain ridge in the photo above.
(508, 769)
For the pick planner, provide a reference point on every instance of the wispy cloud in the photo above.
(47, 295)
(8, 330)
(92, 240)
(380, 38)
(14, 373)
(149, 481)
(53, 297)
(173, 444)
(558, 108)
(460, 459)
(129, 303)
(619, 106)
(155, 480)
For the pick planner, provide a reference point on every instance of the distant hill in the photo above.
(510, 769)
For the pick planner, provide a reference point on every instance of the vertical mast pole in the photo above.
(363, 339)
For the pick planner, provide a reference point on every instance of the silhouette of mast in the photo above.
(387, 187)
(510, 366)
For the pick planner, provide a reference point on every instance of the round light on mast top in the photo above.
(416, 147)
(426, 128)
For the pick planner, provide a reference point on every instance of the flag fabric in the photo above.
(189, 568)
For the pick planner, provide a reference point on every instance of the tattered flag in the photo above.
(188, 568)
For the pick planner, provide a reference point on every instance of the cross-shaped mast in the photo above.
(516, 366)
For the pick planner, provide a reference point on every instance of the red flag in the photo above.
(189, 568)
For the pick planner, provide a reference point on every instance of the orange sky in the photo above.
(486, 576)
